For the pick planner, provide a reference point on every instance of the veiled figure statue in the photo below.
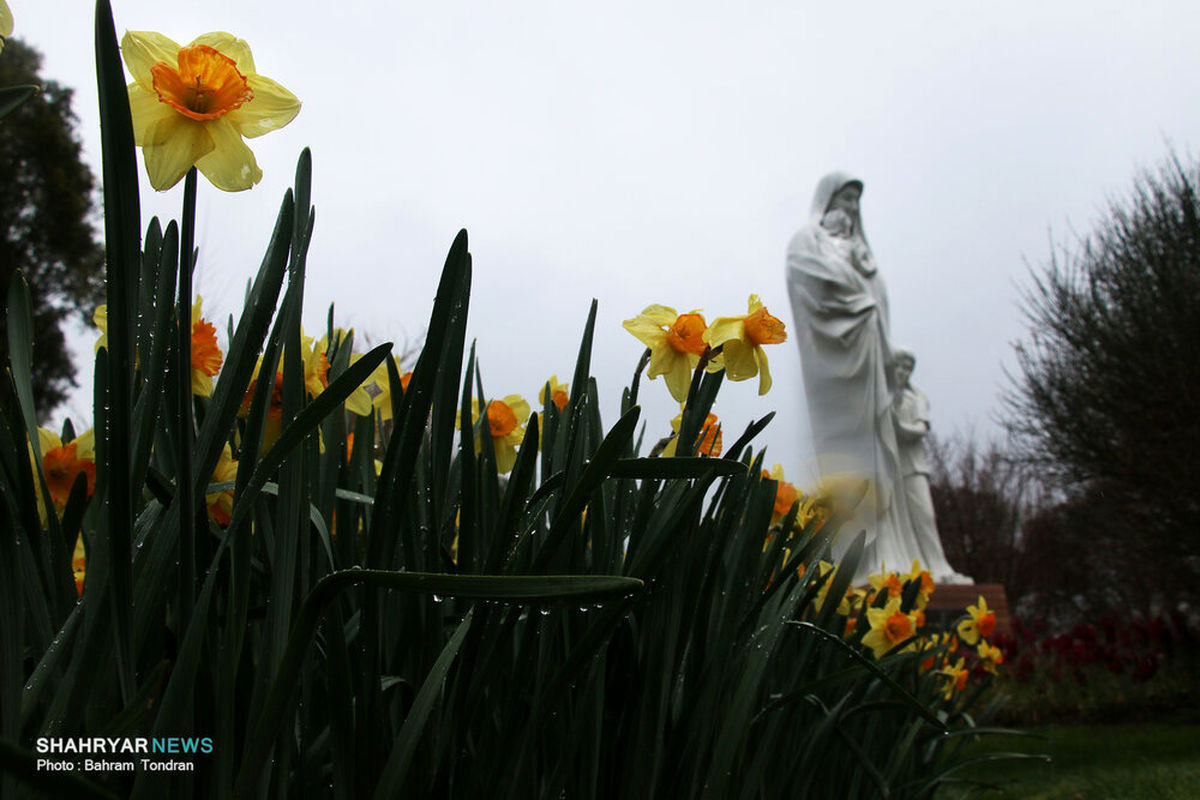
(912, 424)
(841, 310)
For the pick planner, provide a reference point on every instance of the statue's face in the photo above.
(904, 369)
(846, 199)
(841, 215)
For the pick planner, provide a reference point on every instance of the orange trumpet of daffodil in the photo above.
(887, 580)
(785, 494)
(889, 627)
(192, 105)
(676, 342)
(743, 339)
(206, 353)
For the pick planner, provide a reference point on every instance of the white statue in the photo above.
(842, 324)
(912, 423)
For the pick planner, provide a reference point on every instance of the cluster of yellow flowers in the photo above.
(892, 625)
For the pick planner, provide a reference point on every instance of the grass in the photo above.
(1090, 762)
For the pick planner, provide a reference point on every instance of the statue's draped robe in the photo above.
(841, 314)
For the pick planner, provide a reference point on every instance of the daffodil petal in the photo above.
(663, 359)
(723, 329)
(85, 445)
(48, 440)
(647, 332)
(679, 378)
(359, 402)
(754, 304)
(173, 146)
(519, 407)
(202, 384)
(6, 22)
(272, 107)
(142, 50)
(506, 457)
(148, 113)
(230, 45)
(740, 364)
(230, 165)
(659, 315)
(764, 374)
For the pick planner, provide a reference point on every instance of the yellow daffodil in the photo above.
(743, 339)
(6, 23)
(676, 342)
(826, 572)
(980, 622)
(316, 379)
(924, 644)
(220, 504)
(559, 393)
(710, 437)
(506, 424)
(192, 105)
(887, 580)
(889, 627)
(785, 494)
(956, 678)
(78, 560)
(925, 583)
(206, 355)
(990, 656)
(62, 464)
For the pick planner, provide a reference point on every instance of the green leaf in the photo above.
(901, 694)
(122, 248)
(392, 779)
(596, 471)
(498, 588)
(22, 764)
(674, 468)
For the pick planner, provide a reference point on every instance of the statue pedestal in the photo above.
(949, 602)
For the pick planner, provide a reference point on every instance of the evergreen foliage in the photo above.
(46, 203)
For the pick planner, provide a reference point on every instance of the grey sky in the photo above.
(665, 153)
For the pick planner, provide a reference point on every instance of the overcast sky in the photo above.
(665, 152)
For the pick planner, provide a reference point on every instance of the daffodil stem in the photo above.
(185, 428)
(637, 376)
